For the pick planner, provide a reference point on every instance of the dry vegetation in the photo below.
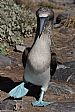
(70, 22)
(33, 4)
(27, 3)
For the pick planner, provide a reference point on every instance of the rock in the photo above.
(63, 16)
(13, 60)
(67, 74)
(62, 107)
(59, 66)
(64, 1)
(7, 104)
(56, 25)
(59, 89)
(8, 67)
(21, 105)
(20, 65)
(5, 61)
(20, 48)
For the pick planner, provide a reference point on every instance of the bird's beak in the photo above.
(42, 25)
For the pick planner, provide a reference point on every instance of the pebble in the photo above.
(20, 48)
(20, 65)
(56, 25)
(8, 67)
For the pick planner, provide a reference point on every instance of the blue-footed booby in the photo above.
(37, 67)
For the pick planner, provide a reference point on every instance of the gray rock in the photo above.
(5, 61)
(59, 66)
(67, 74)
(56, 25)
(20, 48)
(63, 1)
(13, 61)
(7, 105)
(61, 88)
(62, 107)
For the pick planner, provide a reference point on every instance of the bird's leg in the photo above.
(41, 95)
(40, 102)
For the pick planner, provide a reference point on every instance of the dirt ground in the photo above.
(12, 75)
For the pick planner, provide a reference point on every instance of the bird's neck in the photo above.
(39, 57)
(47, 33)
(45, 37)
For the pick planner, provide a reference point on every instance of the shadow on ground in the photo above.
(6, 85)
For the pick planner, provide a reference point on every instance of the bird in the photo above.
(38, 60)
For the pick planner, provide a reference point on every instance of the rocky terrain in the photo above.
(17, 31)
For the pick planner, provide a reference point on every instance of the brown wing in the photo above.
(53, 64)
(25, 55)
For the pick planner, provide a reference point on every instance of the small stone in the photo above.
(20, 65)
(8, 67)
(20, 48)
(57, 25)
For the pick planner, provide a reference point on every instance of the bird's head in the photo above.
(44, 17)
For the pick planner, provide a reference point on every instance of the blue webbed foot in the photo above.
(19, 91)
(40, 103)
